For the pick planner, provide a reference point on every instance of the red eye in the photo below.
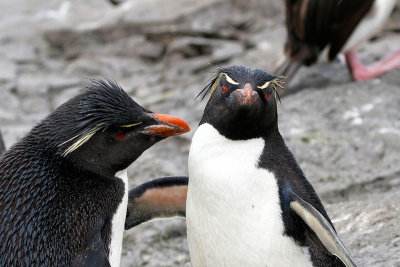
(267, 96)
(120, 135)
(225, 89)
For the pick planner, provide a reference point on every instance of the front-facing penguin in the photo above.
(248, 201)
(63, 187)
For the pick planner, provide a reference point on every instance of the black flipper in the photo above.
(2, 145)
(159, 198)
(321, 228)
(93, 255)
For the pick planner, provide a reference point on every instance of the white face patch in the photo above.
(233, 209)
(118, 224)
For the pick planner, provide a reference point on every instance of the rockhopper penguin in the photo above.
(63, 187)
(248, 202)
(341, 26)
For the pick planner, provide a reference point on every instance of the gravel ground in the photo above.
(345, 135)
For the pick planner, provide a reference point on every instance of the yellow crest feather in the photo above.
(130, 125)
(82, 139)
(228, 79)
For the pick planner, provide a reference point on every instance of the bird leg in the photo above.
(363, 73)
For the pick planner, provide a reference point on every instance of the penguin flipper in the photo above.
(322, 229)
(159, 198)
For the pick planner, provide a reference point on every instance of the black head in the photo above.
(104, 130)
(242, 102)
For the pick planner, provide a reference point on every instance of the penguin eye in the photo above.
(267, 95)
(120, 135)
(225, 88)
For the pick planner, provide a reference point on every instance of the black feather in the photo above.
(51, 208)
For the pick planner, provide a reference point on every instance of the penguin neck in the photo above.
(92, 166)
(241, 130)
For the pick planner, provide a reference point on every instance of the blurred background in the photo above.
(345, 135)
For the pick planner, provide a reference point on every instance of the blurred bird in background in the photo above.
(340, 26)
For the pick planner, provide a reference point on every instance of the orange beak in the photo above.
(169, 126)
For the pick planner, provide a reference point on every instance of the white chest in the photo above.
(233, 210)
(118, 223)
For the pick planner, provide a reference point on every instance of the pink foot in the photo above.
(362, 73)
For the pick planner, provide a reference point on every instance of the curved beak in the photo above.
(167, 126)
(246, 96)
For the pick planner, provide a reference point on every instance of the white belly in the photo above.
(233, 210)
(118, 224)
(370, 24)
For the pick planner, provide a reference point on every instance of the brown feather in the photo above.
(314, 24)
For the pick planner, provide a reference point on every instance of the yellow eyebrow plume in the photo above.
(265, 85)
(214, 86)
(82, 139)
(228, 79)
(277, 82)
(130, 125)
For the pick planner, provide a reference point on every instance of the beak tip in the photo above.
(171, 126)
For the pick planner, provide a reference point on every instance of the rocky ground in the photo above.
(345, 135)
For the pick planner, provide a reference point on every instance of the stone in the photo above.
(8, 71)
(152, 51)
(32, 84)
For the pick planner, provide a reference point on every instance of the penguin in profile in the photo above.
(341, 26)
(248, 202)
(63, 187)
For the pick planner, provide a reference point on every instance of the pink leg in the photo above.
(362, 73)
